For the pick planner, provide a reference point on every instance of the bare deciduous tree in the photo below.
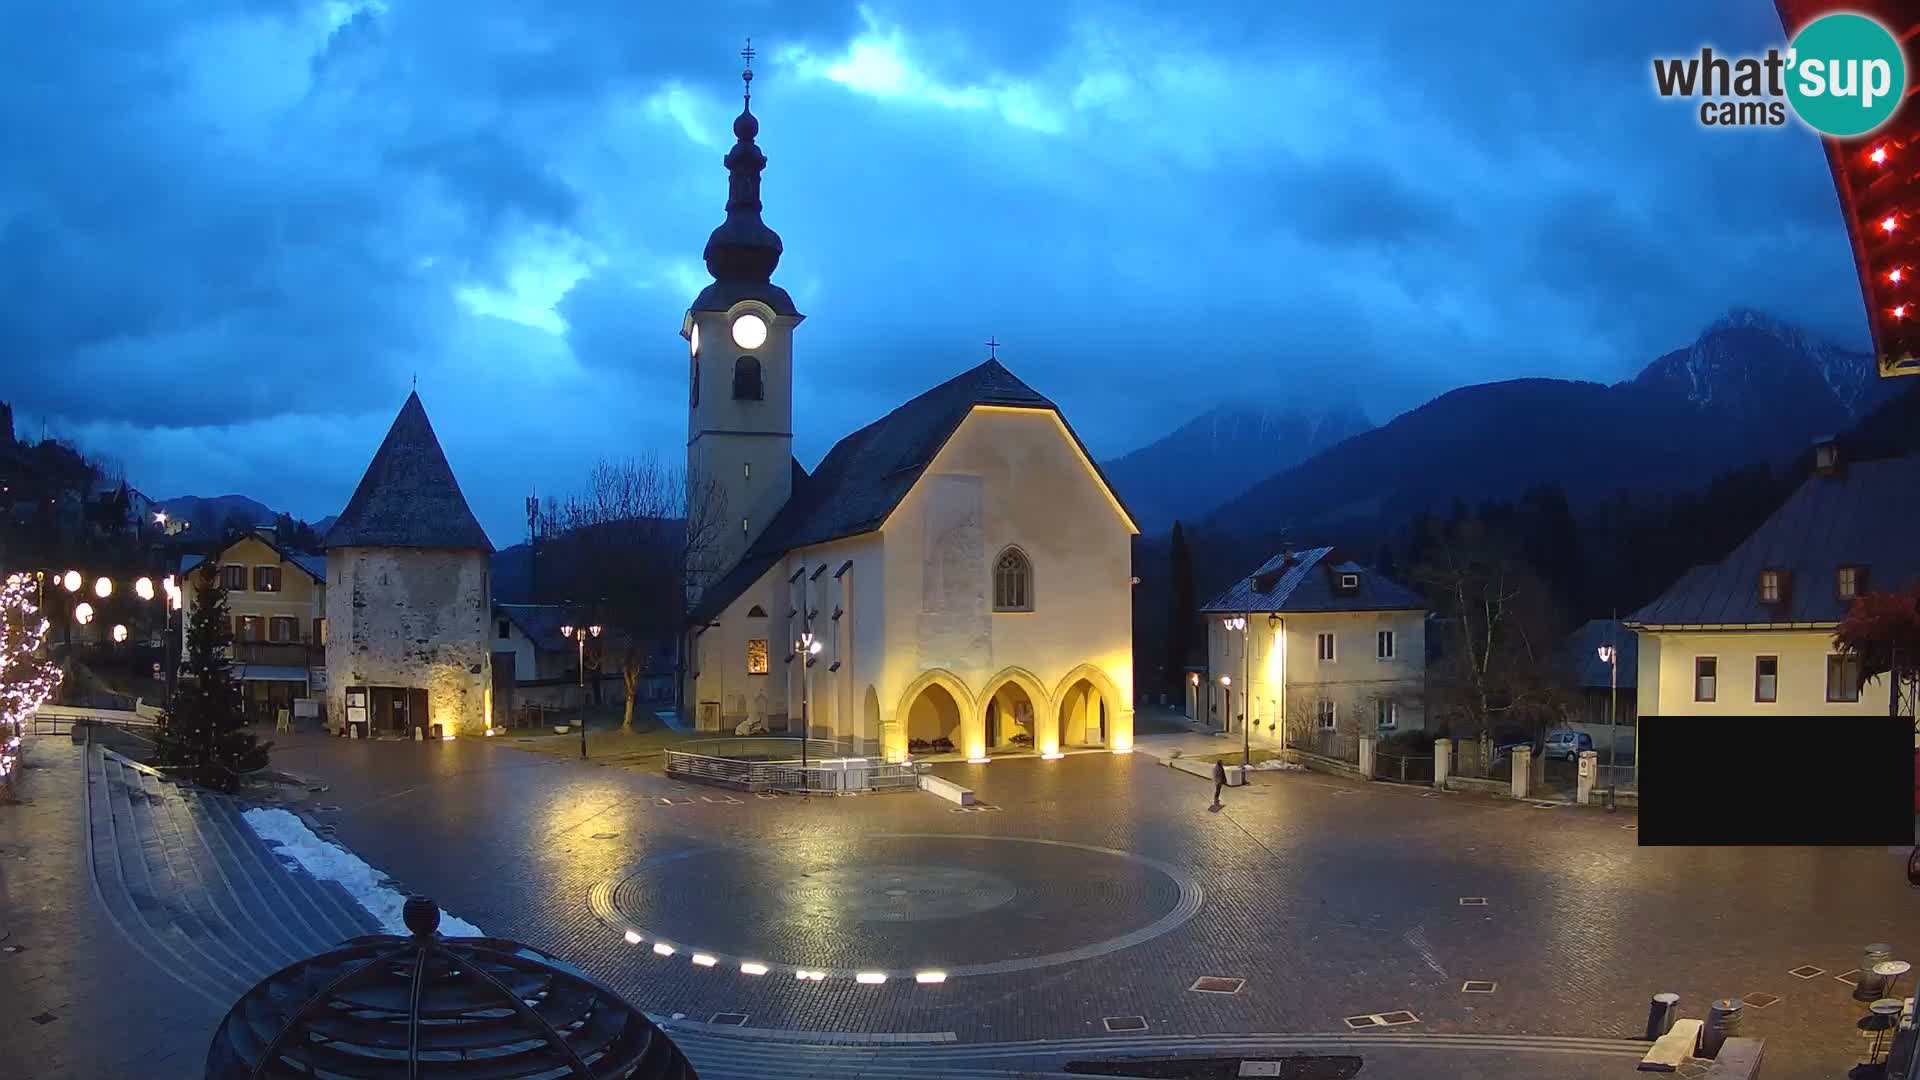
(1497, 642)
(626, 551)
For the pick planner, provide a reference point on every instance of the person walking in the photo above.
(1219, 780)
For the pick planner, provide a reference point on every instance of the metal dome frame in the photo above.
(482, 1008)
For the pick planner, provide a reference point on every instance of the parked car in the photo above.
(1567, 744)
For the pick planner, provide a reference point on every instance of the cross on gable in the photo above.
(993, 346)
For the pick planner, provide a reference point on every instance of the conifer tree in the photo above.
(204, 734)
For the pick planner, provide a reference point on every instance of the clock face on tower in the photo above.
(749, 331)
(693, 340)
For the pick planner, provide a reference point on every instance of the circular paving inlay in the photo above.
(898, 905)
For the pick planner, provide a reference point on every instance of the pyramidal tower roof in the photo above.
(408, 497)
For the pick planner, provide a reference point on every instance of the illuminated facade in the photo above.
(954, 577)
(409, 596)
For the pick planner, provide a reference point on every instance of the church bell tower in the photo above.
(739, 335)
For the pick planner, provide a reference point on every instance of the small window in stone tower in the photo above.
(757, 656)
(1012, 582)
(693, 378)
(746, 379)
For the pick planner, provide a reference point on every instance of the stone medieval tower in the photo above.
(408, 594)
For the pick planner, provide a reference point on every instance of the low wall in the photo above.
(1323, 764)
(946, 789)
(1484, 787)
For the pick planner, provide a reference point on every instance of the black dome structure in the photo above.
(422, 1006)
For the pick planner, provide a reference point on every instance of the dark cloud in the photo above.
(232, 234)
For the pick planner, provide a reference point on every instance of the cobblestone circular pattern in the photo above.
(898, 903)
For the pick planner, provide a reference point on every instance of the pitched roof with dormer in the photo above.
(1305, 581)
(1861, 515)
(866, 475)
(408, 497)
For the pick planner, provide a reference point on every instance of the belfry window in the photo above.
(746, 380)
(1012, 581)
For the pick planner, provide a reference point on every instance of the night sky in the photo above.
(233, 231)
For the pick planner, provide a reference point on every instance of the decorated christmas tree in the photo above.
(204, 734)
(27, 678)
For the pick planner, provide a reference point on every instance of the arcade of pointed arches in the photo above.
(1013, 711)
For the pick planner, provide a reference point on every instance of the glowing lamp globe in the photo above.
(83, 614)
(103, 588)
(119, 632)
(143, 588)
(71, 579)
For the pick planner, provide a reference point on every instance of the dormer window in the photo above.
(1826, 456)
(1850, 582)
(1349, 582)
(1773, 586)
(756, 612)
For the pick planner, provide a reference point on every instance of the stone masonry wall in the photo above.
(411, 617)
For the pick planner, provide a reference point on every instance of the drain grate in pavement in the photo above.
(1473, 901)
(1124, 1023)
(1217, 984)
(1479, 986)
(1807, 971)
(1545, 805)
(43, 1019)
(1759, 1001)
(605, 835)
(1851, 978)
(730, 1019)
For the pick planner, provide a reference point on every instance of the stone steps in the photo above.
(195, 890)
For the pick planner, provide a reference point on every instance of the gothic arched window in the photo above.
(1012, 581)
(746, 379)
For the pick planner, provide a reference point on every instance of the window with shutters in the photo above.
(266, 579)
(234, 578)
(1706, 678)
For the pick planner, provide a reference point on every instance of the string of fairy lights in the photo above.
(27, 679)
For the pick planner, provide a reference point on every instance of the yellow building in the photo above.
(1753, 633)
(276, 599)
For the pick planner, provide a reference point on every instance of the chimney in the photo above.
(1826, 456)
(267, 533)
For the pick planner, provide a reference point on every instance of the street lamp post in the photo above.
(580, 634)
(1611, 657)
(807, 648)
(1239, 622)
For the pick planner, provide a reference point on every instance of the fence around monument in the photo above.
(776, 764)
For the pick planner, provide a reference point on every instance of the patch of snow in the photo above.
(1276, 765)
(369, 888)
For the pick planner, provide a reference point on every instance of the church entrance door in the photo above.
(993, 724)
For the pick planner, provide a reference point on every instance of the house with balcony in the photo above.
(1313, 650)
(276, 599)
(1753, 633)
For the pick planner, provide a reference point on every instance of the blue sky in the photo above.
(233, 231)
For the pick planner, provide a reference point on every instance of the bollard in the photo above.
(1723, 1023)
(1872, 986)
(1661, 1014)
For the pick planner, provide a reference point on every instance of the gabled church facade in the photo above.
(955, 576)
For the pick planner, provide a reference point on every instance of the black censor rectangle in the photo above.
(1776, 780)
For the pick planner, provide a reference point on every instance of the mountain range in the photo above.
(1220, 453)
(209, 514)
(1748, 389)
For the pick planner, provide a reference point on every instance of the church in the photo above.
(955, 577)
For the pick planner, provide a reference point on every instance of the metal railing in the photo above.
(1403, 768)
(60, 719)
(775, 765)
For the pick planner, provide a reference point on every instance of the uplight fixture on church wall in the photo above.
(693, 341)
